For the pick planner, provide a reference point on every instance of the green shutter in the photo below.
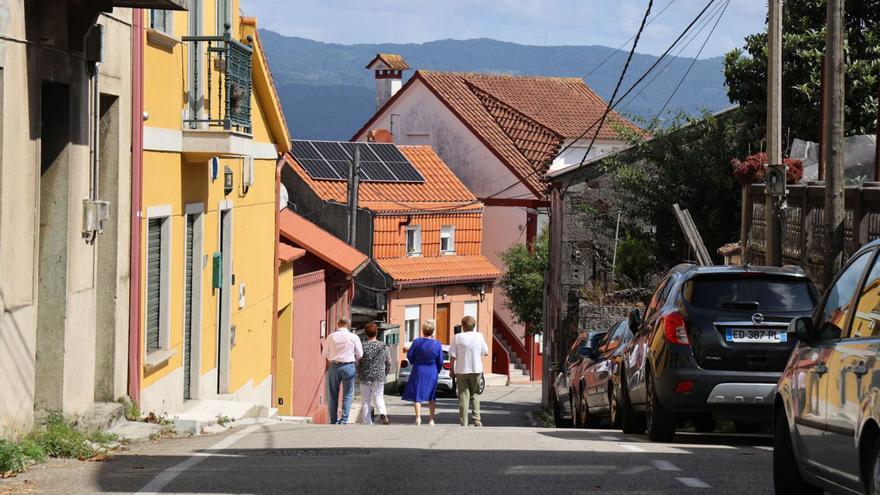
(154, 282)
(188, 306)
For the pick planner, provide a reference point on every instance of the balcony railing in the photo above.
(230, 60)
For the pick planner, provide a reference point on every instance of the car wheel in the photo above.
(575, 411)
(660, 422)
(786, 474)
(614, 407)
(873, 487)
(704, 424)
(630, 421)
(558, 418)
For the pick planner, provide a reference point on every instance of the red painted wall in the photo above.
(309, 309)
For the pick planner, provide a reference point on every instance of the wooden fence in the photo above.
(804, 225)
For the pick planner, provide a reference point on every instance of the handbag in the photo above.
(482, 385)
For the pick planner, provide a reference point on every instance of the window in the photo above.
(158, 279)
(866, 322)
(447, 239)
(839, 297)
(472, 309)
(161, 20)
(411, 322)
(758, 294)
(414, 240)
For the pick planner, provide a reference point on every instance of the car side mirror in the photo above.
(553, 367)
(802, 329)
(634, 320)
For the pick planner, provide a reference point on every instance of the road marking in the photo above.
(764, 447)
(167, 476)
(575, 469)
(632, 448)
(694, 482)
(666, 466)
(609, 437)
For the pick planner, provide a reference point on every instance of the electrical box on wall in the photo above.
(247, 171)
(217, 270)
(95, 213)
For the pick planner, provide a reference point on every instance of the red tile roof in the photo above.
(523, 120)
(321, 243)
(288, 253)
(393, 61)
(419, 271)
(441, 191)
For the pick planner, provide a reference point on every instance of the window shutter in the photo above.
(188, 307)
(154, 278)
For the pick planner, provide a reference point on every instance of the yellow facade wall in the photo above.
(173, 179)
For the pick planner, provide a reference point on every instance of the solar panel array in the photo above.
(329, 160)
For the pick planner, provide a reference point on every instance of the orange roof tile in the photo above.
(441, 191)
(288, 253)
(523, 120)
(420, 271)
(391, 60)
(321, 243)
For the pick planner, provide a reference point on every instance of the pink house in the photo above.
(499, 134)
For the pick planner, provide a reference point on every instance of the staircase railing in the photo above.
(506, 334)
(500, 359)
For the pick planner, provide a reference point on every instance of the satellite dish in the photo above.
(283, 197)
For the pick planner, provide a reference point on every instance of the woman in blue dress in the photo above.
(426, 357)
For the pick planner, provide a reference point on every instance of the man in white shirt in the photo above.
(466, 357)
(341, 349)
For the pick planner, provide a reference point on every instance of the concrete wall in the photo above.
(56, 365)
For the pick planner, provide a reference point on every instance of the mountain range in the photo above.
(326, 92)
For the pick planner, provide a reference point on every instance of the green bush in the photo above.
(12, 458)
(635, 258)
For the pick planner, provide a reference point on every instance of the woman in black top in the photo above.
(372, 369)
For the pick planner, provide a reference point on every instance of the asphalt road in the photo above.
(507, 456)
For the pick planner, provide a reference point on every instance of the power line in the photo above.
(632, 51)
(696, 33)
(642, 78)
(615, 52)
(694, 61)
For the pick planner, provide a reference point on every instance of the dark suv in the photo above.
(712, 345)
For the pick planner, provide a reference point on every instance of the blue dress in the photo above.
(426, 358)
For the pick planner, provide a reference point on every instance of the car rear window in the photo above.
(445, 356)
(765, 294)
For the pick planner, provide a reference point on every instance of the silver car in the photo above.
(445, 383)
(827, 405)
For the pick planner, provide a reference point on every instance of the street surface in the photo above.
(507, 456)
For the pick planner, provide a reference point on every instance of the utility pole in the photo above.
(353, 184)
(833, 143)
(775, 187)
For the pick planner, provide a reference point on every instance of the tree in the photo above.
(803, 45)
(523, 282)
(686, 163)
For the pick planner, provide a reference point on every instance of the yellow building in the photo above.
(213, 132)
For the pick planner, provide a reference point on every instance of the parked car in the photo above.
(827, 404)
(600, 390)
(564, 392)
(712, 344)
(445, 383)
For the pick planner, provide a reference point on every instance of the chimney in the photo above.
(389, 75)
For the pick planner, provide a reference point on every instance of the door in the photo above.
(814, 371)
(637, 358)
(189, 261)
(851, 380)
(443, 323)
(224, 343)
(599, 376)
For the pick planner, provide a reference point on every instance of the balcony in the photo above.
(219, 115)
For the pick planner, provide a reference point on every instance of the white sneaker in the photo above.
(418, 421)
(431, 422)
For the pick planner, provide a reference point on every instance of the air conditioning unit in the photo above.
(247, 172)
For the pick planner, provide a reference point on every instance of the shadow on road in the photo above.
(683, 438)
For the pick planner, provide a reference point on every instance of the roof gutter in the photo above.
(428, 282)
(135, 359)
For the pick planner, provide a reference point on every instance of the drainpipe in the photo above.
(275, 287)
(135, 360)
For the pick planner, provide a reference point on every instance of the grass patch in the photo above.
(58, 438)
(131, 409)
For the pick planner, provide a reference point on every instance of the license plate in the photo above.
(756, 336)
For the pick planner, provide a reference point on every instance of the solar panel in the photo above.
(330, 160)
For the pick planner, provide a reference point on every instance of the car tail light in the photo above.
(674, 329)
(404, 364)
(684, 387)
(447, 365)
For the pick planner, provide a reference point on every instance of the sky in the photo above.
(530, 22)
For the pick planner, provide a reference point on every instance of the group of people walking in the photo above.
(370, 362)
